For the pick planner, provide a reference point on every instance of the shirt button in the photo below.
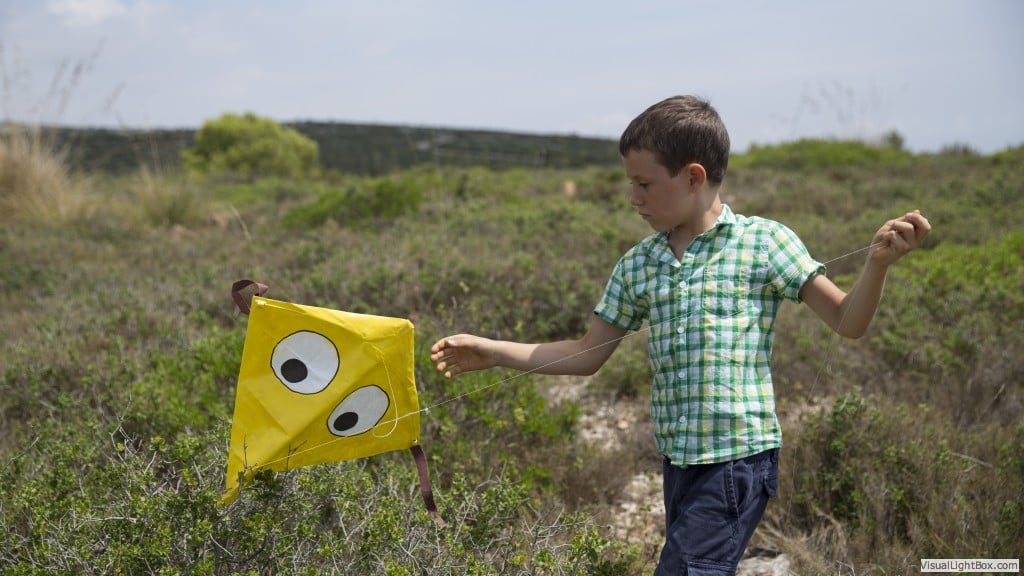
(682, 284)
(682, 420)
(680, 329)
(682, 374)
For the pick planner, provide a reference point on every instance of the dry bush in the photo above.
(873, 486)
(166, 200)
(35, 183)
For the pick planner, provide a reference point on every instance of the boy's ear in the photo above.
(696, 175)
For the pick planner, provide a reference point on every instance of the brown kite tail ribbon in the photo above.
(425, 489)
(236, 293)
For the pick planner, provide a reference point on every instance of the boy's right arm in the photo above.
(466, 353)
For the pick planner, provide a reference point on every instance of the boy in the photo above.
(709, 282)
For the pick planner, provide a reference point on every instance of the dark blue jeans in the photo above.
(711, 511)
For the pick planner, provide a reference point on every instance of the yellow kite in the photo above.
(319, 385)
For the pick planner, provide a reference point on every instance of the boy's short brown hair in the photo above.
(681, 130)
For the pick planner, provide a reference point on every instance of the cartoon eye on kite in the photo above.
(305, 362)
(358, 412)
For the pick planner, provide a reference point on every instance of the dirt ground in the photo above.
(638, 515)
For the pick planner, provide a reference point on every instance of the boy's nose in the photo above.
(635, 197)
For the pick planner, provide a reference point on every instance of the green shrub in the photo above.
(250, 146)
(187, 389)
(878, 484)
(504, 407)
(139, 493)
(1014, 154)
(813, 154)
(152, 508)
(960, 343)
(271, 191)
(360, 203)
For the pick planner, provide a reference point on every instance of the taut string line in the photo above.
(631, 334)
(646, 329)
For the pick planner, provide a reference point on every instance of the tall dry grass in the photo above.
(36, 185)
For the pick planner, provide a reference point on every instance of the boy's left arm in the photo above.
(850, 314)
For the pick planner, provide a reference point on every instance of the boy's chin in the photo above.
(656, 226)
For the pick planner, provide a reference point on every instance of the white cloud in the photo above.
(85, 13)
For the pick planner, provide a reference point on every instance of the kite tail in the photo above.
(425, 489)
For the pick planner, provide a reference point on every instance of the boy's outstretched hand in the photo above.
(462, 353)
(898, 237)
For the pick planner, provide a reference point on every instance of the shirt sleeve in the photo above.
(790, 262)
(619, 306)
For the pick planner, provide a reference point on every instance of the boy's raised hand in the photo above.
(898, 237)
(462, 353)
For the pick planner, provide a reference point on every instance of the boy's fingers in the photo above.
(921, 225)
(912, 228)
(898, 242)
(901, 235)
(441, 348)
(445, 358)
(448, 371)
(919, 222)
(452, 369)
(906, 230)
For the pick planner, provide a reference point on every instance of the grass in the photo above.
(35, 184)
(121, 352)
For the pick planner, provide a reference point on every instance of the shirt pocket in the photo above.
(724, 290)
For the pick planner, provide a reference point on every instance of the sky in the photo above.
(939, 72)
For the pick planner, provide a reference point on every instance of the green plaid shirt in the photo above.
(711, 316)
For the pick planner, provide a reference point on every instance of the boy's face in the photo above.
(664, 201)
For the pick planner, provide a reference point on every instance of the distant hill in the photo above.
(354, 148)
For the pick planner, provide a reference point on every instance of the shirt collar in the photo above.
(725, 218)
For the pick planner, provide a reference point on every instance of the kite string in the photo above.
(646, 329)
(391, 391)
(825, 365)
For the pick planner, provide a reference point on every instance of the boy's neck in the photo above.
(704, 219)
